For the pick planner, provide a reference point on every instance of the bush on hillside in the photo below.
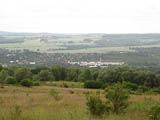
(95, 105)
(93, 84)
(10, 80)
(26, 83)
(143, 89)
(131, 86)
(156, 90)
(118, 97)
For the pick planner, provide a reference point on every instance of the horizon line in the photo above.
(79, 32)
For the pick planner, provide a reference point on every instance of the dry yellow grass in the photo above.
(37, 104)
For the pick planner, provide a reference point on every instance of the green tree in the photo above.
(86, 75)
(139, 78)
(118, 97)
(108, 76)
(151, 80)
(23, 73)
(45, 75)
(60, 73)
(95, 74)
(128, 76)
(63, 73)
(3, 75)
(36, 71)
(1, 67)
(130, 86)
(56, 73)
(71, 75)
(10, 71)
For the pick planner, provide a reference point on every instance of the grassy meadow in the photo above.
(41, 103)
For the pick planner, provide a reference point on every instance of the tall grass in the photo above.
(19, 103)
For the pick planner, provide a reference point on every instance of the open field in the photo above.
(36, 103)
(80, 43)
(34, 45)
(52, 43)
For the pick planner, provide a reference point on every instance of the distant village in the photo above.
(32, 59)
(95, 64)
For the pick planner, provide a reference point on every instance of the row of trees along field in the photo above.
(135, 80)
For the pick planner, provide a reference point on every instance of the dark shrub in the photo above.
(95, 105)
(131, 86)
(65, 85)
(93, 84)
(154, 113)
(155, 90)
(10, 80)
(1, 67)
(105, 86)
(26, 83)
(71, 91)
(143, 89)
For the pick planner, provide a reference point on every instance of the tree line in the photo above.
(92, 78)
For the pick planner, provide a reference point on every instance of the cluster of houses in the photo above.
(23, 62)
(95, 64)
(19, 61)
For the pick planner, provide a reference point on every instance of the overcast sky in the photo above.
(80, 16)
